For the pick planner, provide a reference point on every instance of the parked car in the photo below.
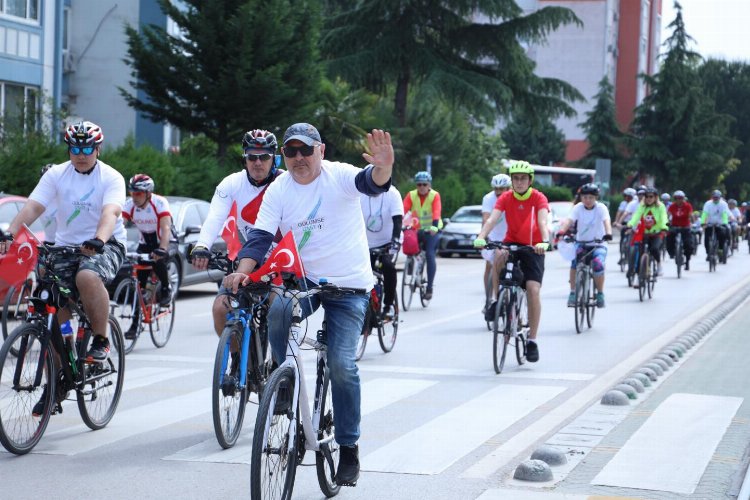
(558, 212)
(10, 205)
(459, 232)
(188, 215)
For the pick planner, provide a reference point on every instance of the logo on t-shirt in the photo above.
(650, 221)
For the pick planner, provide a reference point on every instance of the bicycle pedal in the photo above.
(56, 409)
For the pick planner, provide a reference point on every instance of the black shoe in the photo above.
(428, 294)
(348, 471)
(687, 265)
(166, 297)
(131, 333)
(99, 350)
(283, 400)
(39, 406)
(489, 313)
(532, 351)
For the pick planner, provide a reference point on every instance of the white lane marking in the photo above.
(376, 394)
(458, 372)
(654, 457)
(516, 445)
(528, 495)
(146, 418)
(478, 420)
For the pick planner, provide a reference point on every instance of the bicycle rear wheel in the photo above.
(679, 258)
(623, 254)
(125, 311)
(366, 329)
(499, 328)
(643, 276)
(407, 283)
(388, 329)
(580, 292)
(15, 307)
(20, 431)
(273, 464)
(326, 468)
(162, 321)
(100, 384)
(590, 300)
(229, 394)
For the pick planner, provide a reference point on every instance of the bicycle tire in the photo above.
(643, 276)
(162, 320)
(15, 308)
(423, 285)
(623, 254)
(580, 293)
(125, 299)
(590, 300)
(407, 285)
(499, 337)
(522, 313)
(653, 275)
(99, 409)
(25, 340)
(678, 255)
(366, 330)
(264, 484)
(326, 429)
(388, 330)
(228, 396)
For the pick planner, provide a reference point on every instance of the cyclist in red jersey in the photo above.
(680, 221)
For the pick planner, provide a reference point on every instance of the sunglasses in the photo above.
(291, 151)
(650, 196)
(422, 184)
(261, 157)
(87, 150)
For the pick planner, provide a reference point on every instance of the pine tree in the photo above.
(537, 141)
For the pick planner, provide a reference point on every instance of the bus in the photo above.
(560, 176)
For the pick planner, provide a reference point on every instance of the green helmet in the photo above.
(521, 167)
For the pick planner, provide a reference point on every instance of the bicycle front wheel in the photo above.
(229, 394)
(326, 461)
(273, 464)
(499, 326)
(522, 312)
(407, 283)
(100, 384)
(388, 329)
(162, 322)
(679, 258)
(652, 275)
(580, 293)
(643, 276)
(15, 307)
(366, 329)
(423, 286)
(20, 430)
(590, 300)
(126, 311)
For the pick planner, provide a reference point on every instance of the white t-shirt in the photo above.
(147, 219)
(736, 213)
(631, 208)
(378, 212)
(623, 205)
(49, 222)
(589, 223)
(498, 232)
(714, 211)
(79, 199)
(234, 187)
(326, 218)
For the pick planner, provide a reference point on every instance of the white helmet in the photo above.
(500, 181)
(665, 197)
(629, 192)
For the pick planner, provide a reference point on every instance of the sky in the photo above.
(719, 27)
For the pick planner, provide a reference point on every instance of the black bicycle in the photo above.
(713, 249)
(39, 366)
(387, 327)
(679, 257)
(585, 288)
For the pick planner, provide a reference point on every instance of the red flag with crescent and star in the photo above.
(284, 258)
(20, 259)
(229, 233)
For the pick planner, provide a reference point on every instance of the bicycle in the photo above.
(679, 257)
(414, 279)
(624, 249)
(35, 375)
(713, 246)
(511, 323)
(647, 271)
(136, 306)
(387, 327)
(585, 288)
(15, 306)
(285, 427)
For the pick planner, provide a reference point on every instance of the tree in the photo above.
(536, 140)
(678, 136)
(237, 64)
(729, 85)
(477, 66)
(602, 133)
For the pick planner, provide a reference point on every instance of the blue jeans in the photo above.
(429, 243)
(344, 317)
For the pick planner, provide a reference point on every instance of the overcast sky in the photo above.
(721, 28)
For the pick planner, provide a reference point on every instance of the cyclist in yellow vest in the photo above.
(425, 205)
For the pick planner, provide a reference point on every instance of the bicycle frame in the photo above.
(244, 316)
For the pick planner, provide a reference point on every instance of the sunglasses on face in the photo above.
(291, 151)
(261, 157)
(650, 196)
(85, 150)
(422, 184)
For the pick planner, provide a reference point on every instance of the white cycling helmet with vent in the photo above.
(501, 181)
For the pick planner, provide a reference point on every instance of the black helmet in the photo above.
(590, 188)
(652, 190)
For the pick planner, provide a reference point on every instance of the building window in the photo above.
(19, 107)
(66, 31)
(27, 9)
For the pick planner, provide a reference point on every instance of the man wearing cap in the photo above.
(318, 200)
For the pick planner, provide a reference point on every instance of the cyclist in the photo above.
(666, 200)
(48, 217)
(593, 223)
(734, 221)
(247, 188)
(384, 216)
(652, 214)
(426, 204)
(318, 200)
(680, 221)
(89, 195)
(622, 213)
(150, 213)
(715, 217)
(526, 211)
(500, 184)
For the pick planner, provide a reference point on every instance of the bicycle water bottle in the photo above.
(67, 331)
(509, 271)
(378, 289)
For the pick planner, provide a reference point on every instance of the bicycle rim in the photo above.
(580, 308)
(423, 288)
(366, 328)
(407, 287)
(652, 274)
(228, 397)
(326, 470)
(500, 339)
(162, 323)
(15, 308)
(273, 465)
(125, 299)
(100, 384)
(590, 301)
(20, 431)
(388, 330)
(642, 277)
(522, 322)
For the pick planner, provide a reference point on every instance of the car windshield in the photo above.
(467, 216)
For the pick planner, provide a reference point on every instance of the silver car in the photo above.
(459, 232)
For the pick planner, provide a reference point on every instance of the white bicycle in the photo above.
(286, 427)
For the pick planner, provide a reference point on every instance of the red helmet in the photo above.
(141, 183)
(84, 134)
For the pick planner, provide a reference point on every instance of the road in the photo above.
(438, 423)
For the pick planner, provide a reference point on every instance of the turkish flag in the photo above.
(284, 258)
(229, 233)
(640, 230)
(20, 259)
